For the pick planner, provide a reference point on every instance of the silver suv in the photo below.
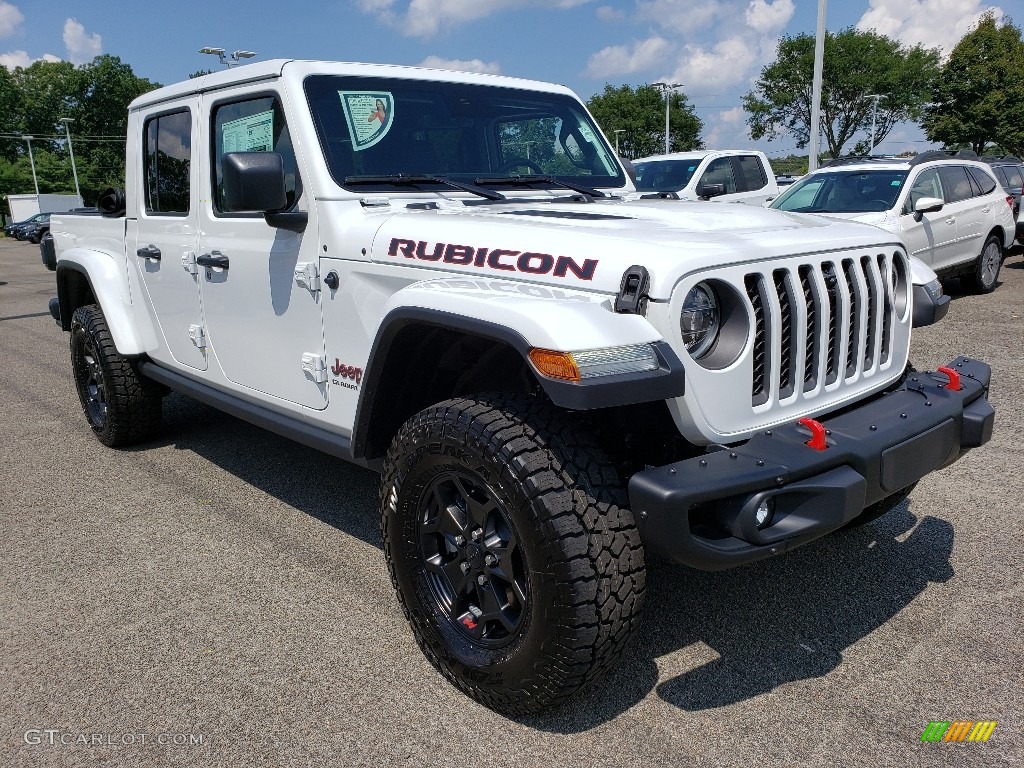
(949, 210)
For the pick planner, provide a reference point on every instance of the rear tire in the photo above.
(510, 546)
(122, 406)
(985, 277)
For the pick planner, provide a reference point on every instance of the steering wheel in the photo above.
(879, 204)
(519, 162)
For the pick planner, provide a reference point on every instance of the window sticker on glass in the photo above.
(895, 183)
(254, 133)
(369, 115)
(586, 132)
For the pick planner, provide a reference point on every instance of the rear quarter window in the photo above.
(983, 179)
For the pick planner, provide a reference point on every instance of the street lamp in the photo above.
(617, 132)
(667, 88)
(874, 111)
(74, 171)
(228, 61)
(32, 162)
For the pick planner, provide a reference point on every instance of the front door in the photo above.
(167, 232)
(933, 238)
(263, 319)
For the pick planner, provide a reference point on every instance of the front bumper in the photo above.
(701, 512)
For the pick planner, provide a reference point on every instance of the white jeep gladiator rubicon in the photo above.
(450, 278)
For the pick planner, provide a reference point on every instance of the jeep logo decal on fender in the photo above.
(527, 262)
(342, 371)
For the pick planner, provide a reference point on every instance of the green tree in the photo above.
(979, 98)
(856, 65)
(640, 114)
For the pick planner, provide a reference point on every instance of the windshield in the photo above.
(843, 192)
(378, 127)
(664, 175)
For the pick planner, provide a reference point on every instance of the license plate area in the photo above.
(909, 461)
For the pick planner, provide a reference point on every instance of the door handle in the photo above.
(215, 259)
(149, 252)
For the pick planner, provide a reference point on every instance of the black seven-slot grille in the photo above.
(845, 305)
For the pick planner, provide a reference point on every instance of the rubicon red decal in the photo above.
(527, 262)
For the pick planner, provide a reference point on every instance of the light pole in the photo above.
(617, 132)
(228, 61)
(819, 63)
(74, 171)
(32, 162)
(874, 111)
(667, 88)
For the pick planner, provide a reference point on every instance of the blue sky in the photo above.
(715, 47)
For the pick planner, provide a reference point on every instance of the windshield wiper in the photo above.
(539, 179)
(417, 179)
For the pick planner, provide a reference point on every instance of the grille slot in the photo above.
(820, 321)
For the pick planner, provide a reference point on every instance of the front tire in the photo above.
(517, 563)
(122, 407)
(986, 270)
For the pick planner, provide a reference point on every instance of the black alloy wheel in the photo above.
(473, 562)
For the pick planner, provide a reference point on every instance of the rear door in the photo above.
(167, 230)
(964, 202)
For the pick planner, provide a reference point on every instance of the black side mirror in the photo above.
(254, 181)
(707, 191)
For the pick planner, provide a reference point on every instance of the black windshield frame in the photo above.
(459, 131)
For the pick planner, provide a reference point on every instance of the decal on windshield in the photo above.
(254, 133)
(369, 115)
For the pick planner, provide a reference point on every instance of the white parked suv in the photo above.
(728, 175)
(949, 210)
(552, 378)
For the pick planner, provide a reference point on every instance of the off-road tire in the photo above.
(121, 406)
(581, 560)
(985, 276)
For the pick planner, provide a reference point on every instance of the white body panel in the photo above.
(715, 167)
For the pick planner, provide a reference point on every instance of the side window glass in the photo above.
(985, 182)
(167, 159)
(926, 185)
(720, 172)
(1013, 177)
(752, 173)
(255, 125)
(955, 183)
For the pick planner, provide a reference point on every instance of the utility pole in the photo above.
(667, 88)
(617, 132)
(74, 171)
(819, 61)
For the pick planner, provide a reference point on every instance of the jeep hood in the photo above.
(588, 246)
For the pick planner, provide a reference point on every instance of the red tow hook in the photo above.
(817, 441)
(954, 379)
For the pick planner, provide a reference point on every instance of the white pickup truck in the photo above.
(724, 175)
(450, 278)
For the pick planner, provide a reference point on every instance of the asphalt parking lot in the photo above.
(219, 597)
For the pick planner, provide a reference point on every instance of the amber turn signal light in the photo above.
(555, 365)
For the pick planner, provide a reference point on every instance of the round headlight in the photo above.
(700, 319)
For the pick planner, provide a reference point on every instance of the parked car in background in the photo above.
(728, 174)
(34, 230)
(12, 229)
(785, 180)
(1010, 172)
(950, 211)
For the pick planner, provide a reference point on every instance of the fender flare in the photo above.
(667, 381)
(108, 281)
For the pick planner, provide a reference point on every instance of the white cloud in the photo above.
(683, 16)
(607, 13)
(727, 63)
(10, 19)
(82, 47)
(425, 18)
(769, 18)
(15, 59)
(621, 59)
(462, 65)
(931, 23)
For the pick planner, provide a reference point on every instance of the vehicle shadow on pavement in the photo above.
(331, 490)
(744, 632)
